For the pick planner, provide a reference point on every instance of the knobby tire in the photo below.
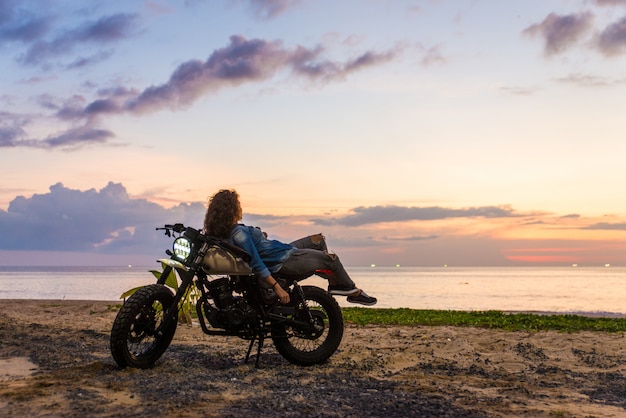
(134, 342)
(308, 350)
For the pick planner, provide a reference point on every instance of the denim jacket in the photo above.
(267, 255)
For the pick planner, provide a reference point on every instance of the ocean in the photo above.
(582, 290)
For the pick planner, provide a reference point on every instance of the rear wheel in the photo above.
(138, 337)
(310, 343)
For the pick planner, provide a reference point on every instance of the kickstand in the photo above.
(258, 352)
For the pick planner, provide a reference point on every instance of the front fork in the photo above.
(166, 272)
(171, 314)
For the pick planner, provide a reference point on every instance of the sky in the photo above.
(412, 133)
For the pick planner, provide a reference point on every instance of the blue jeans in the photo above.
(312, 257)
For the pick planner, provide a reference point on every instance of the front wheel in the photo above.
(138, 336)
(316, 341)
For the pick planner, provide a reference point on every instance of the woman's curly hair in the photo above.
(222, 214)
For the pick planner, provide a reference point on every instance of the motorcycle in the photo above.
(306, 331)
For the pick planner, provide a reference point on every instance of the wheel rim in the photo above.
(142, 336)
(310, 340)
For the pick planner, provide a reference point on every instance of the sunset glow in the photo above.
(408, 132)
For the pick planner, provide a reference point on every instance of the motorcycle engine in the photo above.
(233, 311)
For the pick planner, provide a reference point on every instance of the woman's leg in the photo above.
(312, 257)
(314, 242)
(318, 242)
(307, 262)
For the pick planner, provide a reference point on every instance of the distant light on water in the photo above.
(517, 289)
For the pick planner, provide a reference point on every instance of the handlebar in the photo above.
(176, 227)
(180, 228)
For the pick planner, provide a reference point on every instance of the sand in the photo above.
(55, 361)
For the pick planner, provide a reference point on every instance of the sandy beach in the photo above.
(55, 361)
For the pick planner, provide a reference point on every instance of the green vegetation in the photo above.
(483, 319)
(404, 316)
(187, 309)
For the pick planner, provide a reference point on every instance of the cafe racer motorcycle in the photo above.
(231, 302)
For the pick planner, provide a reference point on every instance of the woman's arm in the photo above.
(280, 292)
(241, 237)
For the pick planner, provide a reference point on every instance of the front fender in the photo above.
(174, 264)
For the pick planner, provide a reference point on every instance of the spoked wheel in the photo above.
(319, 336)
(138, 337)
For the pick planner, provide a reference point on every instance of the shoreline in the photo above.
(57, 351)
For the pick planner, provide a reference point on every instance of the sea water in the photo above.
(562, 289)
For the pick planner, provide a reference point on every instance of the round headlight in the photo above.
(182, 248)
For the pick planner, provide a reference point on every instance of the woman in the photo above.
(304, 257)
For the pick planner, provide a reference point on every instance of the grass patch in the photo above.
(479, 319)
(482, 319)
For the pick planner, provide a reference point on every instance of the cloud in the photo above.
(306, 62)
(12, 129)
(17, 25)
(533, 222)
(612, 40)
(379, 214)
(9, 136)
(83, 62)
(76, 137)
(589, 80)
(560, 32)
(610, 2)
(432, 55)
(243, 60)
(268, 9)
(606, 226)
(108, 221)
(46, 42)
(412, 238)
(104, 221)
(520, 90)
(267, 219)
(13, 134)
(107, 29)
(240, 62)
(20, 25)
